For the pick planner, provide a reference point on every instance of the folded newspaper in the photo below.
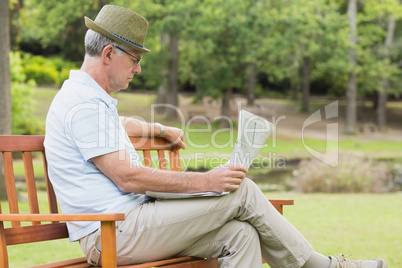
(253, 132)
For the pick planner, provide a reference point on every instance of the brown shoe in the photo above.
(342, 262)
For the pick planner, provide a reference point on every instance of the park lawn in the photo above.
(129, 104)
(364, 225)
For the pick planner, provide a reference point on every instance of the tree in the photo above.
(168, 20)
(386, 16)
(5, 83)
(379, 53)
(351, 92)
(306, 42)
(383, 94)
(251, 84)
(57, 24)
(221, 35)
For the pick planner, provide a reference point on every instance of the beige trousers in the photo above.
(238, 229)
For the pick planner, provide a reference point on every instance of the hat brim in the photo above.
(95, 27)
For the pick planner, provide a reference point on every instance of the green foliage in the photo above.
(217, 39)
(373, 63)
(47, 70)
(43, 75)
(260, 92)
(58, 24)
(23, 121)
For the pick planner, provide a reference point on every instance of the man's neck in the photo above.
(94, 67)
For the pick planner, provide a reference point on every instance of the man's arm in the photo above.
(139, 179)
(137, 128)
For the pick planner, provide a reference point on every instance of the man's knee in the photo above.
(242, 247)
(243, 230)
(249, 186)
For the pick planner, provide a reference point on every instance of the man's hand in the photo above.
(175, 136)
(225, 178)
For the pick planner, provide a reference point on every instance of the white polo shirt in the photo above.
(82, 123)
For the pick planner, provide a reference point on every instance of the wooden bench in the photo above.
(51, 225)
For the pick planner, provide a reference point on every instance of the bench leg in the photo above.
(108, 239)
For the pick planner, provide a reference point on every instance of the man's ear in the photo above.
(107, 54)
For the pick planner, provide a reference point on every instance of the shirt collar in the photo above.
(86, 79)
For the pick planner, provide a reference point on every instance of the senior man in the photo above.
(95, 169)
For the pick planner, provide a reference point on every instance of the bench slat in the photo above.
(174, 159)
(51, 197)
(21, 143)
(63, 217)
(35, 233)
(31, 185)
(212, 263)
(3, 246)
(10, 185)
(182, 262)
(73, 263)
(145, 143)
(147, 158)
(162, 159)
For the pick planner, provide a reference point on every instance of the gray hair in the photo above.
(95, 43)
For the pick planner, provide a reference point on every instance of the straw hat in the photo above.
(121, 25)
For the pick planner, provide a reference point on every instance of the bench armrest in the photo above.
(108, 235)
(279, 203)
(63, 217)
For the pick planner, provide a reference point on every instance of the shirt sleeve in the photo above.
(93, 127)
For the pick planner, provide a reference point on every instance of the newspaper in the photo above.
(161, 195)
(253, 132)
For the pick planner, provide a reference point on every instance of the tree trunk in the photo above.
(382, 105)
(162, 93)
(173, 74)
(351, 91)
(225, 108)
(294, 88)
(383, 94)
(251, 84)
(5, 83)
(306, 84)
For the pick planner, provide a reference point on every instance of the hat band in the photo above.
(125, 39)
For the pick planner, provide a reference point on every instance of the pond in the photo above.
(273, 179)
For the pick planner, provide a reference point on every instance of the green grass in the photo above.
(129, 104)
(42, 99)
(364, 225)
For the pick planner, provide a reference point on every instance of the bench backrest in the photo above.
(31, 147)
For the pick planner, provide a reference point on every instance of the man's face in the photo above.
(123, 68)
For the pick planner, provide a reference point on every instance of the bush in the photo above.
(354, 173)
(42, 74)
(47, 71)
(23, 121)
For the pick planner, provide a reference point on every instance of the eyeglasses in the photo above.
(136, 61)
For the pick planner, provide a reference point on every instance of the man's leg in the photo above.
(235, 244)
(165, 228)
